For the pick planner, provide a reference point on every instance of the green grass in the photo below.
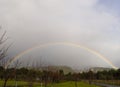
(64, 84)
(12, 83)
(72, 84)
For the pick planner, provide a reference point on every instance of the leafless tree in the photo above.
(3, 55)
(5, 73)
(11, 73)
(3, 48)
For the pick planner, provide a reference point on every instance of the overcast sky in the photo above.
(92, 23)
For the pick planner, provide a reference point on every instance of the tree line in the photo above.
(32, 75)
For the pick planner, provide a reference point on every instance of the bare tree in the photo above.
(3, 56)
(3, 49)
(11, 73)
(6, 74)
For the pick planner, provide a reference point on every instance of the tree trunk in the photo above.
(5, 83)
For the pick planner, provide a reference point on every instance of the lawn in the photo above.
(72, 84)
(64, 84)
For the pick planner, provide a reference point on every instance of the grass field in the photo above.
(64, 84)
(72, 84)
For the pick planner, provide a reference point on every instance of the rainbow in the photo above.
(62, 43)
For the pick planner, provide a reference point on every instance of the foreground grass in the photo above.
(72, 84)
(12, 83)
(64, 84)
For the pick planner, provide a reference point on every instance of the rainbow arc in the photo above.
(62, 43)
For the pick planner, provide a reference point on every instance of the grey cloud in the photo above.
(31, 22)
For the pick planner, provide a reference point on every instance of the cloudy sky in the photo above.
(92, 23)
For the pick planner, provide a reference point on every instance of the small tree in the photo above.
(3, 52)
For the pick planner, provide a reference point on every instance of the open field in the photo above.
(64, 84)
